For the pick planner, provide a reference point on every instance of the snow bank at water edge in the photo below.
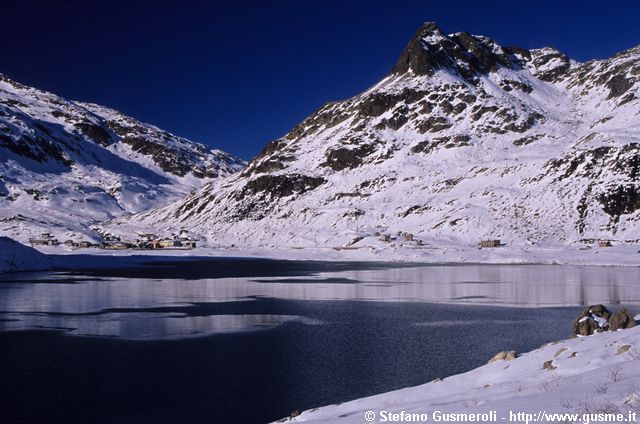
(621, 255)
(18, 257)
(598, 374)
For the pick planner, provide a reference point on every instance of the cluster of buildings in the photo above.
(45, 239)
(405, 237)
(182, 240)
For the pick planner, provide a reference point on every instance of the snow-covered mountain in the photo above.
(65, 166)
(463, 140)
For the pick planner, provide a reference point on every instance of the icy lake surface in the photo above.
(252, 340)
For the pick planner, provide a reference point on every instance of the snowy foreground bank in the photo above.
(596, 377)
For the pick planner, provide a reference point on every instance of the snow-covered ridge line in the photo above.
(597, 374)
(465, 140)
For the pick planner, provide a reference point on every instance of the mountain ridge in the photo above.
(527, 146)
(69, 165)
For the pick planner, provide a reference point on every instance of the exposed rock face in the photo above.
(95, 133)
(464, 140)
(430, 49)
(278, 186)
(347, 158)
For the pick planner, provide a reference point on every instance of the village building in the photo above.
(189, 243)
(116, 246)
(170, 243)
(490, 243)
(46, 239)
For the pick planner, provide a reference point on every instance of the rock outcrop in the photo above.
(597, 319)
(505, 355)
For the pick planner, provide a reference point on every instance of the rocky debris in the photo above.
(95, 133)
(618, 85)
(38, 149)
(509, 85)
(170, 160)
(505, 355)
(597, 318)
(620, 200)
(548, 365)
(433, 124)
(347, 158)
(278, 186)
(623, 349)
(270, 149)
(549, 64)
(266, 166)
(527, 140)
(378, 103)
(447, 142)
(559, 352)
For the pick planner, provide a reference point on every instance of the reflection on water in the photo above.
(147, 325)
(146, 308)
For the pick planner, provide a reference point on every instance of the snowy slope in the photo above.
(597, 374)
(463, 140)
(17, 257)
(65, 166)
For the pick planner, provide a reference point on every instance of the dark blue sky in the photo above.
(238, 74)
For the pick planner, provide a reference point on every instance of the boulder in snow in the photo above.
(597, 318)
(621, 320)
(505, 355)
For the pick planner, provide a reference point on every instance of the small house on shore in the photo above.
(489, 243)
(189, 243)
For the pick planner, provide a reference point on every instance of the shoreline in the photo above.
(623, 255)
(567, 377)
(57, 257)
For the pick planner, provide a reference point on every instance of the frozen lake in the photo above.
(250, 340)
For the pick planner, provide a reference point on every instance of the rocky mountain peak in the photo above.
(420, 55)
(461, 53)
